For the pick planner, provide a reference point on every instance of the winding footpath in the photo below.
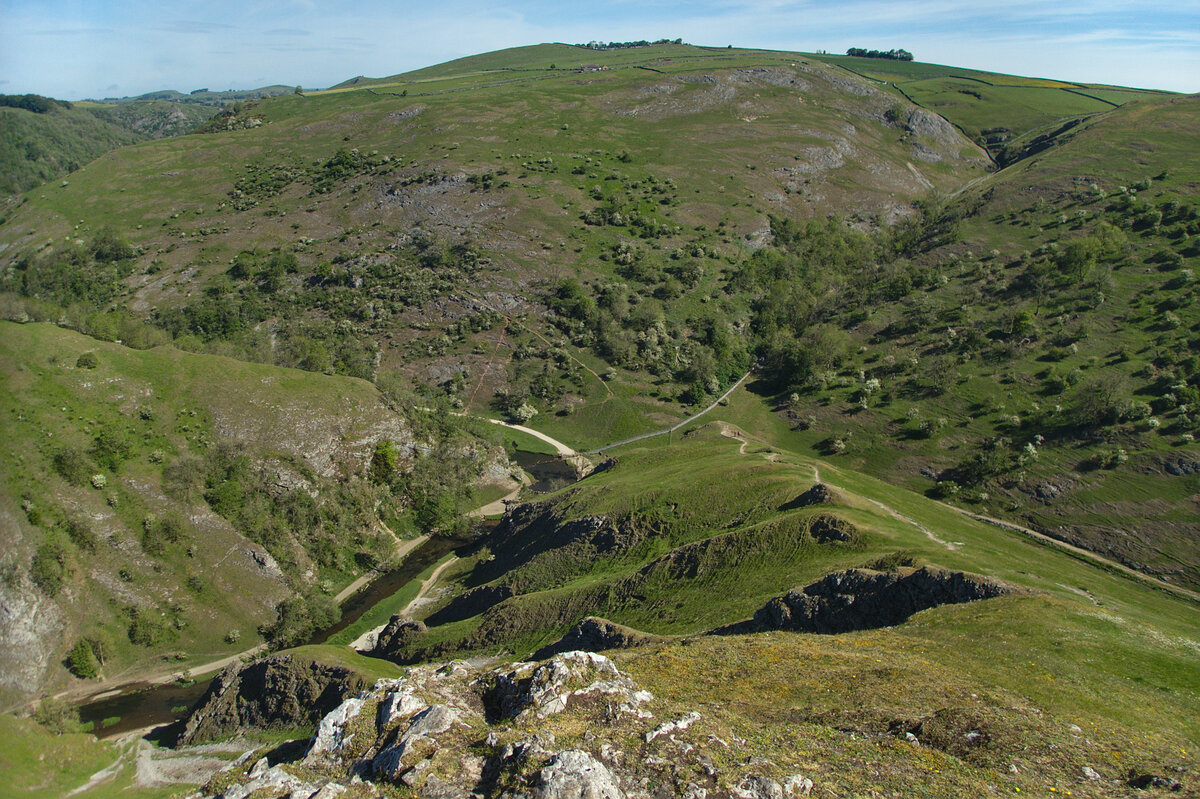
(673, 428)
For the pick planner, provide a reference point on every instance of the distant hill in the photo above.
(59, 137)
(35, 148)
(204, 96)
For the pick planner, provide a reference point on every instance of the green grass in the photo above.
(370, 669)
(37, 763)
(1021, 670)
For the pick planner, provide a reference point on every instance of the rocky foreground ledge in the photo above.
(572, 727)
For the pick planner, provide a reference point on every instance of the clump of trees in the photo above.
(32, 102)
(627, 45)
(299, 618)
(894, 55)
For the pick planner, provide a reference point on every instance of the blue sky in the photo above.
(95, 48)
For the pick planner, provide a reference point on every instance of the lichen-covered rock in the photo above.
(332, 729)
(539, 690)
(757, 787)
(398, 705)
(575, 774)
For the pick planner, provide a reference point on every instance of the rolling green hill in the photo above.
(1041, 365)
(985, 358)
(1000, 112)
(427, 219)
(35, 148)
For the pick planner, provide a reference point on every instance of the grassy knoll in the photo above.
(370, 669)
(708, 539)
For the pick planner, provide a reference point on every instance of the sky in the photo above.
(76, 49)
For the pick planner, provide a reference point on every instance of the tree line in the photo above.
(626, 45)
(32, 102)
(894, 55)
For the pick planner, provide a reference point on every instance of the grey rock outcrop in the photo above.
(399, 631)
(277, 691)
(530, 690)
(860, 599)
(575, 774)
(594, 634)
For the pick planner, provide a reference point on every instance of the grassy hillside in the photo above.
(610, 249)
(1039, 364)
(998, 111)
(158, 505)
(435, 220)
(1090, 667)
(35, 148)
(684, 537)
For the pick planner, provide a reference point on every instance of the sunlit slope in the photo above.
(999, 111)
(611, 176)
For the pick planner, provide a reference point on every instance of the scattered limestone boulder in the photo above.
(575, 774)
(754, 786)
(539, 690)
(671, 727)
(797, 785)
